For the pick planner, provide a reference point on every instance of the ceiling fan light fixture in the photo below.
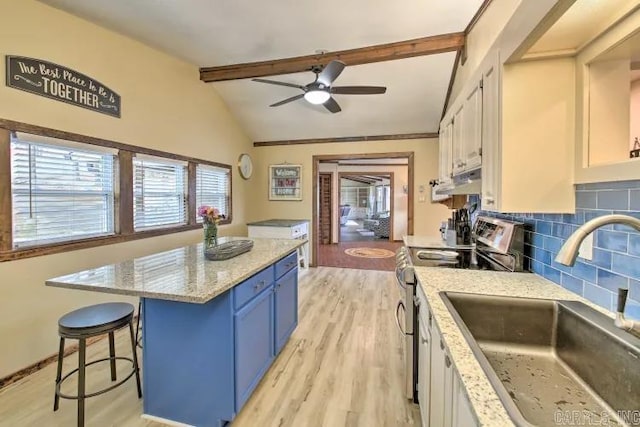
(317, 96)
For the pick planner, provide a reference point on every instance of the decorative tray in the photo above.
(228, 250)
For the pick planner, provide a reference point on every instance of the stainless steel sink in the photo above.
(552, 362)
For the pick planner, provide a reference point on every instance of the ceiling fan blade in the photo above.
(358, 90)
(332, 106)
(331, 72)
(273, 82)
(286, 101)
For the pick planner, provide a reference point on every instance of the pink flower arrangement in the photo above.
(210, 215)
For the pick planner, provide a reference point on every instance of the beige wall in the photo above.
(538, 136)
(164, 106)
(427, 216)
(480, 39)
(635, 112)
(609, 94)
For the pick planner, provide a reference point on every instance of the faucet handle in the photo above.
(622, 299)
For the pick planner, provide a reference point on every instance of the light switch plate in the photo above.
(586, 248)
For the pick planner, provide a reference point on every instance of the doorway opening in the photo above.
(366, 206)
(362, 207)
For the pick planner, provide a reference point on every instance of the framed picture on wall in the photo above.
(285, 182)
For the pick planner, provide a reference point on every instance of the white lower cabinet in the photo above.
(462, 413)
(424, 365)
(443, 401)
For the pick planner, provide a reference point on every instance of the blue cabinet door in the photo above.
(286, 307)
(253, 344)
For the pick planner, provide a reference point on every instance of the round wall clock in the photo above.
(245, 166)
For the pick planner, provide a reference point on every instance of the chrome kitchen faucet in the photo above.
(569, 252)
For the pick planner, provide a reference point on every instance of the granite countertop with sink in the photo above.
(278, 222)
(182, 274)
(484, 400)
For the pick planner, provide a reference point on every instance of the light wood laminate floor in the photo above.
(341, 367)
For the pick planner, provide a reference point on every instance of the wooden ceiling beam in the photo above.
(347, 139)
(357, 179)
(373, 178)
(365, 55)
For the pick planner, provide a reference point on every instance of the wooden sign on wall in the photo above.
(60, 83)
(285, 182)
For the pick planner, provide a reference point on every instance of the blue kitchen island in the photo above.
(210, 329)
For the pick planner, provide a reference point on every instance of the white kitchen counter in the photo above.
(483, 398)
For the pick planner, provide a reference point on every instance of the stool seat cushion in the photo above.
(96, 319)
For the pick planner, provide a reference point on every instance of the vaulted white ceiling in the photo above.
(211, 33)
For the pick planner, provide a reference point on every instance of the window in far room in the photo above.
(383, 198)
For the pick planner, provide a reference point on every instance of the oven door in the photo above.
(406, 322)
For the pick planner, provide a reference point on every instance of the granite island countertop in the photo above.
(485, 402)
(182, 274)
(278, 222)
(431, 242)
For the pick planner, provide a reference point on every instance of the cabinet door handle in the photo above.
(489, 200)
(447, 361)
(441, 345)
(259, 285)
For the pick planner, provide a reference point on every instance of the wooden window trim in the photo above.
(124, 197)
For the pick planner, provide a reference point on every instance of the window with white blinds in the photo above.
(60, 190)
(213, 188)
(159, 192)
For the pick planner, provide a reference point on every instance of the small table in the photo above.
(284, 229)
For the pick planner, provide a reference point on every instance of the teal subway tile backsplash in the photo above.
(616, 254)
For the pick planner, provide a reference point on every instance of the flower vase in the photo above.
(210, 235)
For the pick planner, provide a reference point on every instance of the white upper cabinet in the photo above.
(472, 128)
(457, 142)
(446, 154)
(490, 133)
(466, 141)
(516, 122)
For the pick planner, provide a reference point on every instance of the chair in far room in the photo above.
(381, 230)
(344, 214)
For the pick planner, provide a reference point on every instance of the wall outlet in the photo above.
(586, 248)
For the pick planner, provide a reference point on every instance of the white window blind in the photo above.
(159, 192)
(213, 188)
(60, 190)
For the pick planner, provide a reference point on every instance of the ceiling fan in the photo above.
(320, 90)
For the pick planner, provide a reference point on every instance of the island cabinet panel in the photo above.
(254, 345)
(250, 288)
(286, 307)
(189, 361)
(286, 264)
(203, 361)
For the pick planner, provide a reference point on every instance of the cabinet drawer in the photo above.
(299, 230)
(251, 287)
(286, 264)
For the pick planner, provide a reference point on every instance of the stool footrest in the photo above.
(99, 392)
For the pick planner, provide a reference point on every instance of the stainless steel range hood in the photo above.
(466, 183)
